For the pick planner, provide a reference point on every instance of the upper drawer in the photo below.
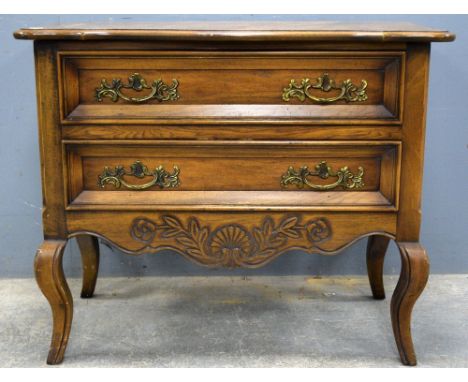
(213, 87)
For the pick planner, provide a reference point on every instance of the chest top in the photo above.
(290, 30)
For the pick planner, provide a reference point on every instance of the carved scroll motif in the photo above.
(231, 245)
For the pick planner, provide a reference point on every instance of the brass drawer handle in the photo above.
(349, 91)
(161, 177)
(346, 178)
(159, 90)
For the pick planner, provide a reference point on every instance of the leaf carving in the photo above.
(290, 228)
(169, 232)
(195, 252)
(267, 227)
(172, 221)
(230, 244)
(187, 241)
(259, 238)
(194, 227)
(292, 233)
(203, 235)
(277, 241)
(267, 252)
(289, 223)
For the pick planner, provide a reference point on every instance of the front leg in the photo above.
(51, 279)
(413, 279)
(89, 248)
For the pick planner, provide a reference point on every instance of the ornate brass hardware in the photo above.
(159, 90)
(346, 178)
(349, 91)
(161, 177)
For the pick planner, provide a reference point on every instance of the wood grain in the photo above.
(233, 137)
(51, 280)
(275, 130)
(249, 167)
(115, 226)
(89, 248)
(53, 217)
(413, 142)
(413, 279)
(375, 255)
(244, 31)
(207, 91)
(231, 201)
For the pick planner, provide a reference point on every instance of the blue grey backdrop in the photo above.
(445, 207)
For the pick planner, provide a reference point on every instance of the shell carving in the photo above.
(230, 245)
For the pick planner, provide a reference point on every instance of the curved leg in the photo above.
(50, 278)
(376, 248)
(413, 278)
(89, 248)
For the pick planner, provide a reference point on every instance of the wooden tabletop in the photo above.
(253, 31)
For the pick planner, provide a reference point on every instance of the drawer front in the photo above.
(311, 87)
(240, 174)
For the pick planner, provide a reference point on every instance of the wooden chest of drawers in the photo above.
(231, 144)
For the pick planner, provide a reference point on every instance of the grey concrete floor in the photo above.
(235, 322)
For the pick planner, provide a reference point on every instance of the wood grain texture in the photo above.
(89, 249)
(274, 131)
(252, 201)
(233, 138)
(375, 255)
(70, 47)
(51, 280)
(245, 31)
(53, 217)
(116, 227)
(413, 142)
(413, 279)
(236, 166)
(206, 89)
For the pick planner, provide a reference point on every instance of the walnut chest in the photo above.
(232, 143)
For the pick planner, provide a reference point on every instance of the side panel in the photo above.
(50, 135)
(409, 216)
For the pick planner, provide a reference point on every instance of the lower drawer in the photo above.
(232, 175)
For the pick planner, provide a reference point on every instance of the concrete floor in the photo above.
(235, 322)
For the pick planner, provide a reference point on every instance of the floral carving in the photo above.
(317, 230)
(231, 245)
(143, 230)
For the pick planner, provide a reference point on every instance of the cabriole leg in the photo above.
(89, 248)
(413, 279)
(376, 248)
(51, 280)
